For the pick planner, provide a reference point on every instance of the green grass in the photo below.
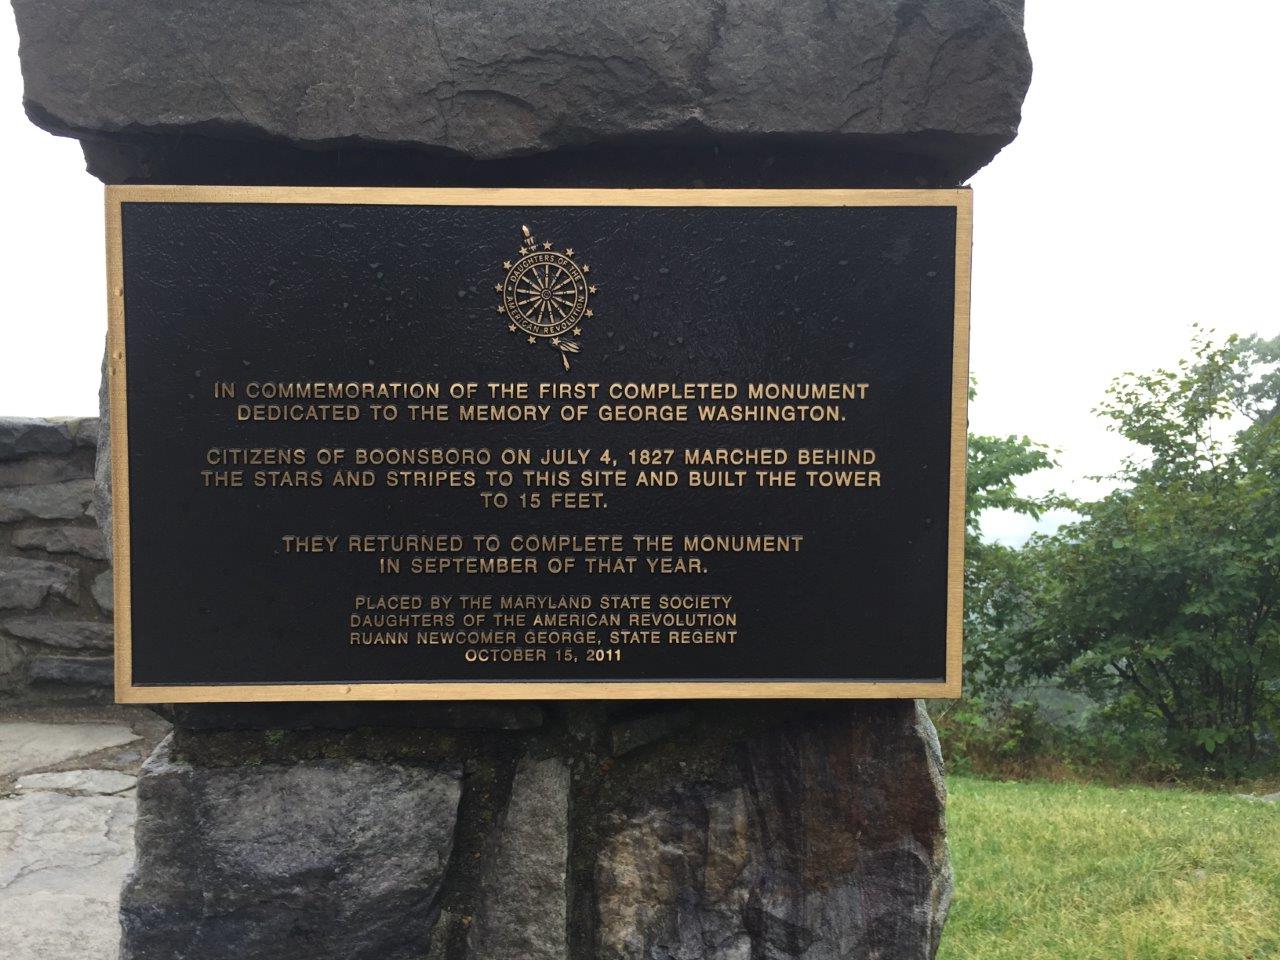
(1065, 871)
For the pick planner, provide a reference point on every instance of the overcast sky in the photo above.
(1138, 200)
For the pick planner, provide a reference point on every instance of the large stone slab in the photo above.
(49, 501)
(31, 471)
(828, 845)
(26, 746)
(23, 436)
(488, 79)
(62, 859)
(83, 541)
(67, 634)
(322, 860)
(523, 905)
(25, 584)
(75, 671)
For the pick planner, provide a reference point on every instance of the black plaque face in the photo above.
(410, 444)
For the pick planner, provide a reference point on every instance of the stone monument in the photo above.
(810, 830)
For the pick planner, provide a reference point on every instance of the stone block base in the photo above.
(717, 831)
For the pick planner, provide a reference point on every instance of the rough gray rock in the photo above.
(84, 541)
(829, 845)
(89, 671)
(485, 79)
(322, 860)
(25, 584)
(67, 634)
(523, 904)
(103, 590)
(50, 501)
(44, 468)
(23, 436)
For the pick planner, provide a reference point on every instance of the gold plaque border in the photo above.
(127, 692)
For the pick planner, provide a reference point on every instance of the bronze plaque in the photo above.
(377, 444)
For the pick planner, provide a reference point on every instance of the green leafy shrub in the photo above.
(1162, 602)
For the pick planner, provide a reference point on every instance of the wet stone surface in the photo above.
(67, 806)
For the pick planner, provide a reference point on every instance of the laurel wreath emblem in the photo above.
(546, 295)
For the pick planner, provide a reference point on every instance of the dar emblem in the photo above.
(545, 295)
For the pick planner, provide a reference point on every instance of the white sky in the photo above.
(1137, 200)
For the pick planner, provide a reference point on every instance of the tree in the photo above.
(1165, 597)
(994, 593)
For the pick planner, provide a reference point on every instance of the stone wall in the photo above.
(55, 585)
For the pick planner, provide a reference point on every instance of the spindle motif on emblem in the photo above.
(546, 295)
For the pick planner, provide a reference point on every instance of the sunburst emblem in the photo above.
(546, 295)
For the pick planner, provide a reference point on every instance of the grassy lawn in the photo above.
(1050, 871)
